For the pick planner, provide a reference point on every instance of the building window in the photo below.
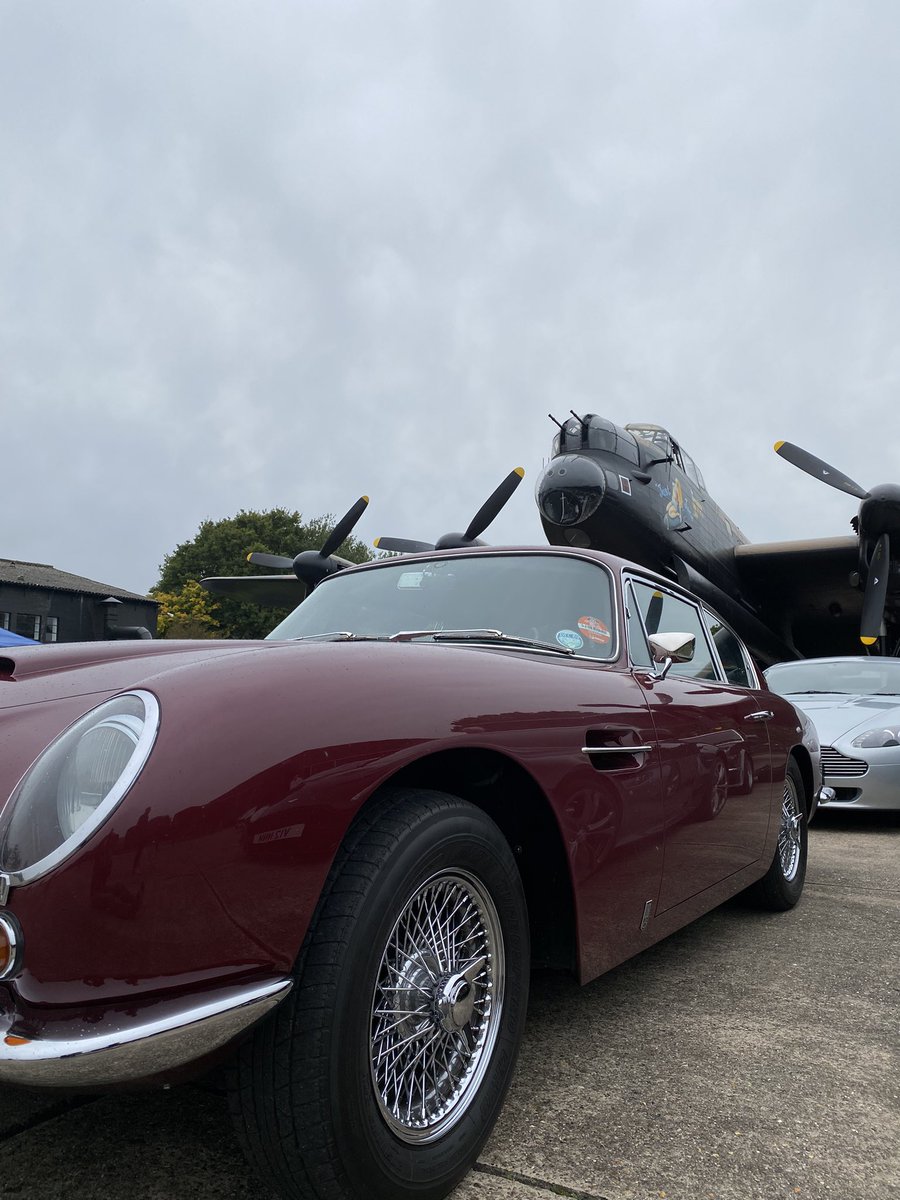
(51, 629)
(29, 625)
(4, 620)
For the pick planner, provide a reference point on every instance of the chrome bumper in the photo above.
(141, 1051)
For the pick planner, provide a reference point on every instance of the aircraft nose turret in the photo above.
(570, 490)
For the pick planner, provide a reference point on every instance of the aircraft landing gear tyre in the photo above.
(381, 1075)
(781, 887)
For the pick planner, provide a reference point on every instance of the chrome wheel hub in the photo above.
(436, 1006)
(456, 997)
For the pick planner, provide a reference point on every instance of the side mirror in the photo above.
(670, 648)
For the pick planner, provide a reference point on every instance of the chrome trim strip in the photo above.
(616, 749)
(139, 1052)
(14, 937)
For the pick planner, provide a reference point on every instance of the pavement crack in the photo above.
(531, 1181)
(843, 891)
(45, 1116)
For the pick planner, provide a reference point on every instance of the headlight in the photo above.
(874, 739)
(76, 783)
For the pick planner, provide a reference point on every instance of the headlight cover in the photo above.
(75, 784)
(874, 739)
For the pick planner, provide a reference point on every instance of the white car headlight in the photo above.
(75, 784)
(876, 738)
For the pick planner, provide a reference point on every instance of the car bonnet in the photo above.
(836, 716)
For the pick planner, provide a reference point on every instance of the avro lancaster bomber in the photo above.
(634, 491)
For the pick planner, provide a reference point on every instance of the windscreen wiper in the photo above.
(479, 635)
(338, 635)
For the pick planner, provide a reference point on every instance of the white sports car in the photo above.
(855, 706)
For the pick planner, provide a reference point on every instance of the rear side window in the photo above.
(731, 652)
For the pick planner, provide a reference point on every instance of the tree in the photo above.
(187, 613)
(221, 548)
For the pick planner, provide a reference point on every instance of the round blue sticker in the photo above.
(570, 639)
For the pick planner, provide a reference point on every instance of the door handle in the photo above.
(616, 749)
(764, 714)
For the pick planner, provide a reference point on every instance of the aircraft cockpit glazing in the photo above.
(595, 433)
(665, 446)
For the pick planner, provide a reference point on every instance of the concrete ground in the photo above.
(749, 1057)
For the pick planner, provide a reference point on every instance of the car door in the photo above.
(711, 728)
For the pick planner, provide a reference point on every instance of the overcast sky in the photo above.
(283, 253)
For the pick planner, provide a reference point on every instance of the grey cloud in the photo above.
(285, 254)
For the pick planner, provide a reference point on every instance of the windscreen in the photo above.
(562, 600)
(851, 676)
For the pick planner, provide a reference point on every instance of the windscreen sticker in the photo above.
(410, 579)
(570, 639)
(593, 629)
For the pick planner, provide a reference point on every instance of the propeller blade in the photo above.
(344, 527)
(819, 470)
(402, 545)
(493, 504)
(654, 613)
(259, 559)
(269, 591)
(876, 591)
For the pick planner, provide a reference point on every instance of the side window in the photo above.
(664, 613)
(638, 649)
(731, 652)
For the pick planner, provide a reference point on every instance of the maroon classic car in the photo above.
(332, 856)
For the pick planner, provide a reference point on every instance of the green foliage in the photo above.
(187, 613)
(221, 548)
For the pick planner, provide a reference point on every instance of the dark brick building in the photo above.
(40, 602)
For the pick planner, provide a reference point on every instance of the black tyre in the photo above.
(782, 885)
(381, 1075)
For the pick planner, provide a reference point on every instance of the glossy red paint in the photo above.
(209, 871)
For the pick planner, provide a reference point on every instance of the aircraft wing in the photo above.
(269, 591)
(804, 589)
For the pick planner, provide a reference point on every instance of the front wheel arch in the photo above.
(519, 807)
(305, 1087)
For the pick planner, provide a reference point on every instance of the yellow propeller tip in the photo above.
(778, 446)
(520, 471)
(248, 556)
(375, 543)
(366, 498)
(868, 641)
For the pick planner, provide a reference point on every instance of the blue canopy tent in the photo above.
(8, 638)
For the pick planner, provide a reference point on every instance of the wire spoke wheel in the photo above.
(789, 836)
(436, 1006)
(782, 885)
